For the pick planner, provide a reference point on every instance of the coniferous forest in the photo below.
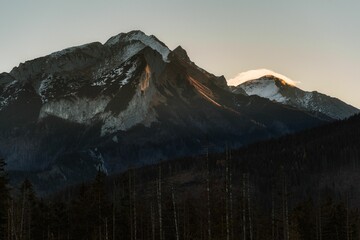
(302, 186)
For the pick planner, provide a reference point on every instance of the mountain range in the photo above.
(132, 101)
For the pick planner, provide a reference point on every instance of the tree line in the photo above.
(301, 186)
(164, 202)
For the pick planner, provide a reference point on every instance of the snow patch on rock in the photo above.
(10, 93)
(265, 89)
(306, 99)
(44, 87)
(103, 77)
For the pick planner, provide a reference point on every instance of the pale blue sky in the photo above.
(316, 42)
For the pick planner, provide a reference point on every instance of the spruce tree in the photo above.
(99, 205)
(27, 204)
(4, 197)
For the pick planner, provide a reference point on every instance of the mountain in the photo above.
(281, 91)
(129, 102)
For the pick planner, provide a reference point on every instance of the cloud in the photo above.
(255, 74)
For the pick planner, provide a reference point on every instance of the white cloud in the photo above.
(254, 74)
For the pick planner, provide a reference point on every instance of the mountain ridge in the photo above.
(278, 90)
(64, 115)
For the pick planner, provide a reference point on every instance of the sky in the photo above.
(316, 43)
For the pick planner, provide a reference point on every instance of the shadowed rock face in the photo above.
(128, 102)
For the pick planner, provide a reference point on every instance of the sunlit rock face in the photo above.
(128, 102)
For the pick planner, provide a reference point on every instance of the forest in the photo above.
(301, 186)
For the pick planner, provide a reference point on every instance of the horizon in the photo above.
(311, 43)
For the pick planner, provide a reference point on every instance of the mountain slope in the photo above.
(278, 90)
(128, 102)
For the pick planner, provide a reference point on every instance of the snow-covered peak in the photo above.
(265, 87)
(281, 91)
(150, 41)
(256, 74)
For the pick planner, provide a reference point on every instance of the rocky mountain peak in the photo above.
(181, 53)
(136, 37)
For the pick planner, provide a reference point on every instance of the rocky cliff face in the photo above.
(128, 102)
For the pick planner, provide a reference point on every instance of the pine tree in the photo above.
(4, 199)
(244, 205)
(159, 193)
(27, 202)
(285, 210)
(175, 213)
(208, 194)
(99, 203)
